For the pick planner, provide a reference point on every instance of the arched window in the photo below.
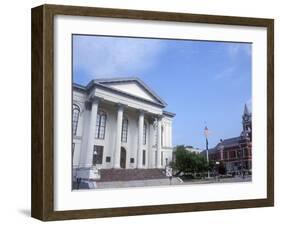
(75, 118)
(124, 134)
(144, 133)
(100, 125)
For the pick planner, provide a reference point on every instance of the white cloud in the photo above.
(114, 57)
(234, 51)
(239, 48)
(227, 73)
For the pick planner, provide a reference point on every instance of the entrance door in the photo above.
(123, 158)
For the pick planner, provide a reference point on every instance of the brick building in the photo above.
(235, 152)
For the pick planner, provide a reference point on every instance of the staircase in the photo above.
(131, 174)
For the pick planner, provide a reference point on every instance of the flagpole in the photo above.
(206, 132)
(207, 157)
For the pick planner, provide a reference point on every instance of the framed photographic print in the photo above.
(141, 112)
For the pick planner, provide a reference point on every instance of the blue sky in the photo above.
(203, 82)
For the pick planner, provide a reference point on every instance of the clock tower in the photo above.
(247, 123)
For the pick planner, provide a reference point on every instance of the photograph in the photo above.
(160, 112)
(138, 112)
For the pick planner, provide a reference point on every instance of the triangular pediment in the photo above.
(133, 87)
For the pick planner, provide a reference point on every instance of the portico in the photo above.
(120, 124)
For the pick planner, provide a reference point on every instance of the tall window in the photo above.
(75, 118)
(100, 125)
(162, 134)
(124, 130)
(155, 133)
(143, 157)
(144, 133)
(97, 155)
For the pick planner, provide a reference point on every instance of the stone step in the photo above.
(131, 174)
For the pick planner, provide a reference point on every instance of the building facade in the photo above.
(193, 149)
(235, 152)
(119, 123)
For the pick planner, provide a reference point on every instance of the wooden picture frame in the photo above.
(42, 203)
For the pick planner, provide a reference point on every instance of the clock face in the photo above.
(246, 118)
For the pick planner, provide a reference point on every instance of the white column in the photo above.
(118, 136)
(164, 135)
(91, 134)
(159, 143)
(151, 153)
(140, 139)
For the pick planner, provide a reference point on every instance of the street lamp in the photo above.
(206, 133)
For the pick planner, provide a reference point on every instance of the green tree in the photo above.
(188, 162)
(201, 164)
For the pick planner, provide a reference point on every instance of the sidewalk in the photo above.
(138, 183)
(160, 182)
(221, 180)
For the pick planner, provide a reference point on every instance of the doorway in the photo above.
(123, 158)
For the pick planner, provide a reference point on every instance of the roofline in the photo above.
(129, 95)
(128, 79)
(216, 147)
(87, 89)
(79, 87)
(170, 114)
(116, 79)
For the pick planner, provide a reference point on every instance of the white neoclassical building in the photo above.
(119, 123)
